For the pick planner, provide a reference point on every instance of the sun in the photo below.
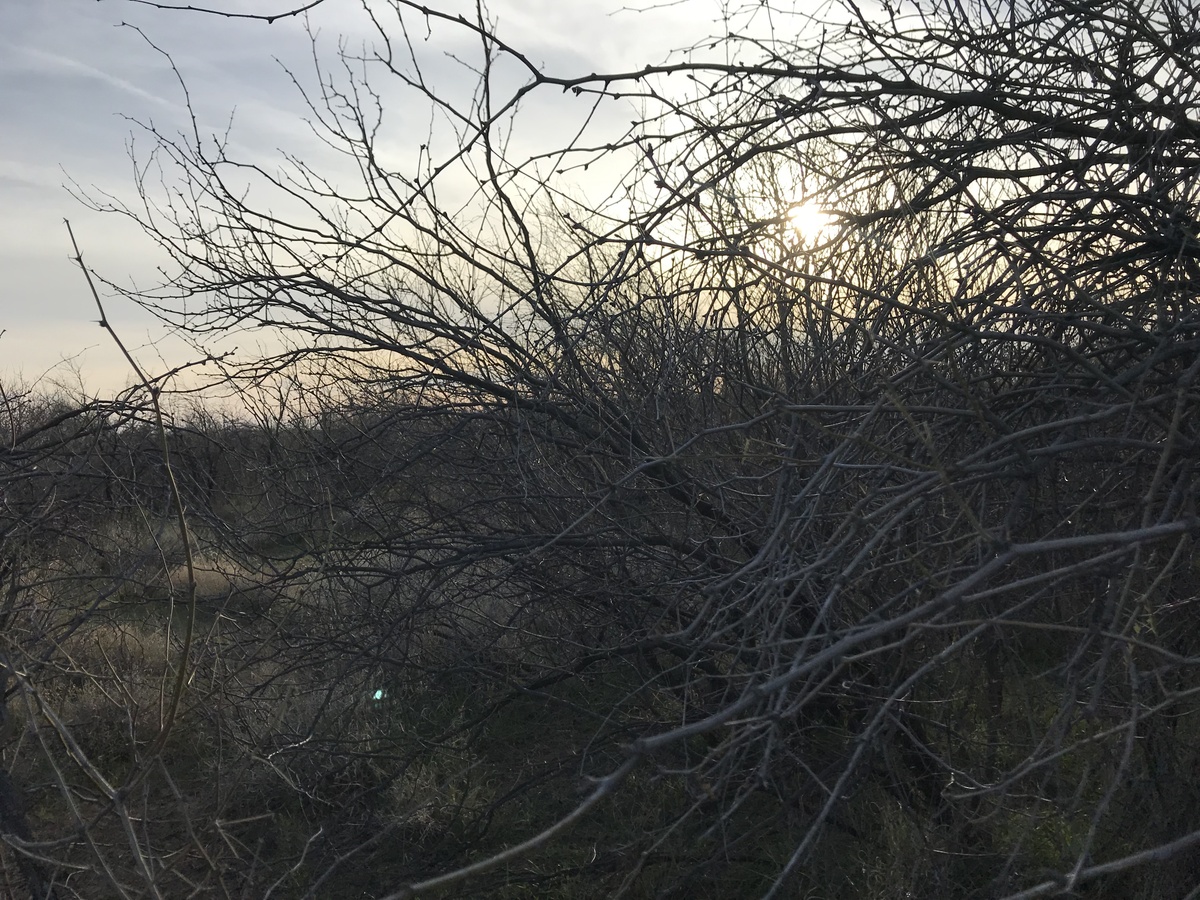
(808, 221)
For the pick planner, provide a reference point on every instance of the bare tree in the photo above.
(741, 560)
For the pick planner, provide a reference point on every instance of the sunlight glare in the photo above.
(808, 221)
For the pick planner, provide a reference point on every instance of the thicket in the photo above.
(652, 548)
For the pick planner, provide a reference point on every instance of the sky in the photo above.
(77, 76)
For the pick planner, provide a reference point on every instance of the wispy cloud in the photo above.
(30, 174)
(44, 62)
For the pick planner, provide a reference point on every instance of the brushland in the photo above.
(647, 546)
(417, 643)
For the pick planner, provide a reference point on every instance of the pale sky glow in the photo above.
(72, 80)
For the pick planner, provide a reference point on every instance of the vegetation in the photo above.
(649, 547)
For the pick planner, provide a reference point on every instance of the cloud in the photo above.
(30, 174)
(43, 62)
